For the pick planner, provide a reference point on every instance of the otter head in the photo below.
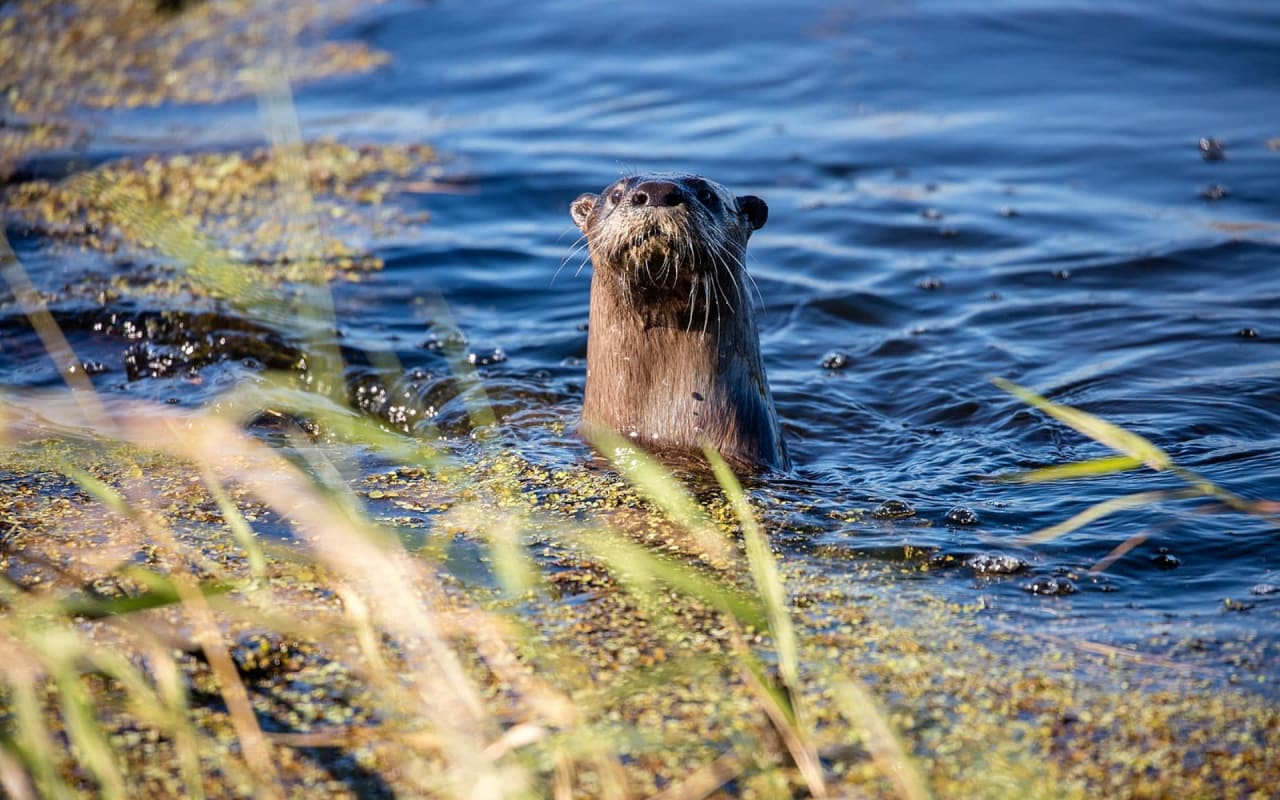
(673, 357)
(673, 244)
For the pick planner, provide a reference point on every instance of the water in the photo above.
(956, 191)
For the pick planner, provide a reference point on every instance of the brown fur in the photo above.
(673, 355)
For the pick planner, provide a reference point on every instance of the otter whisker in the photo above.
(693, 305)
(724, 266)
(747, 274)
(579, 247)
(712, 301)
(737, 276)
(722, 299)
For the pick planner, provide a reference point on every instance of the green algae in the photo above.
(651, 686)
(232, 201)
(58, 57)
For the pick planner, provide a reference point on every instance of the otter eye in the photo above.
(705, 195)
(615, 196)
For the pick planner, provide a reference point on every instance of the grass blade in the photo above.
(887, 750)
(657, 486)
(240, 527)
(86, 734)
(764, 573)
(160, 592)
(1099, 510)
(640, 570)
(1096, 428)
(1108, 465)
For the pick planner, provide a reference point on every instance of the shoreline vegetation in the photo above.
(191, 606)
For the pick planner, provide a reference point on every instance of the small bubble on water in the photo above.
(1062, 274)
(962, 515)
(1213, 193)
(996, 564)
(930, 284)
(1166, 560)
(1010, 212)
(1212, 150)
(1050, 586)
(496, 356)
(834, 360)
(1248, 333)
(452, 340)
(931, 214)
(893, 509)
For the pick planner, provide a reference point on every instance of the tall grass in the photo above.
(430, 698)
(1133, 452)
(427, 653)
(467, 697)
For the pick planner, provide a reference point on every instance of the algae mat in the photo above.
(610, 688)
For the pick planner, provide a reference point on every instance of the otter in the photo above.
(673, 355)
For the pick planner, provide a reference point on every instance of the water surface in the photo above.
(956, 191)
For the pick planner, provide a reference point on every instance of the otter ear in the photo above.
(582, 208)
(755, 210)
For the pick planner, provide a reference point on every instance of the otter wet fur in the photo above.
(673, 355)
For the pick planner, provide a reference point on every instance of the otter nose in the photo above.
(657, 193)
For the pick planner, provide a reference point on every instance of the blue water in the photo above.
(1036, 163)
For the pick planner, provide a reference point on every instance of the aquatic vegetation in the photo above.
(276, 594)
(58, 56)
(191, 610)
(206, 208)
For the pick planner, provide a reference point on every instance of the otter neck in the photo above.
(665, 381)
